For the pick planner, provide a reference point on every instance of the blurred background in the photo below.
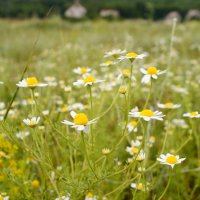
(93, 9)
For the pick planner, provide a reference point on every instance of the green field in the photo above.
(57, 160)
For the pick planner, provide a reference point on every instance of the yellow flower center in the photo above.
(169, 104)
(133, 123)
(171, 159)
(83, 70)
(147, 113)
(126, 72)
(64, 109)
(152, 71)
(80, 119)
(32, 81)
(109, 62)
(134, 149)
(140, 186)
(1, 198)
(194, 114)
(89, 79)
(35, 183)
(131, 55)
(122, 90)
(90, 195)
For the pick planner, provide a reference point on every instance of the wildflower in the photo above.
(132, 126)
(114, 53)
(179, 123)
(108, 63)
(194, 114)
(3, 197)
(63, 109)
(90, 196)
(123, 90)
(140, 156)
(87, 81)
(81, 122)
(132, 56)
(170, 159)
(134, 147)
(82, 70)
(151, 72)
(148, 115)
(151, 141)
(51, 80)
(76, 106)
(139, 186)
(106, 151)
(35, 183)
(30, 82)
(67, 197)
(125, 73)
(21, 135)
(169, 105)
(32, 122)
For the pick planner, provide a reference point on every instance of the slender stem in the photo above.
(87, 157)
(165, 190)
(149, 95)
(91, 116)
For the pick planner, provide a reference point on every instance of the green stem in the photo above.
(87, 157)
(165, 190)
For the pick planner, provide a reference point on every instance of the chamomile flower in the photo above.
(148, 115)
(82, 70)
(51, 80)
(80, 123)
(87, 80)
(114, 53)
(139, 186)
(151, 72)
(134, 148)
(170, 159)
(63, 109)
(67, 197)
(132, 56)
(140, 156)
(22, 134)
(123, 90)
(125, 73)
(169, 105)
(31, 82)
(132, 126)
(194, 114)
(90, 196)
(108, 63)
(32, 122)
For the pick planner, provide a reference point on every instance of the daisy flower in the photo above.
(82, 70)
(51, 80)
(132, 56)
(169, 105)
(67, 197)
(90, 196)
(30, 82)
(125, 73)
(141, 155)
(151, 72)
(170, 159)
(123, 89)
(114, 53)
(132, 126)
(32, 122)
(87, 81)
(147, 115)
(80, 123)
(108, 63)
(21, 135)
(194, 114)
(134, 148)
(139, 186)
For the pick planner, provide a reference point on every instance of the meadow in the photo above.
(110, 124)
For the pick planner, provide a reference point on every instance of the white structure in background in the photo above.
(76, 11)
(173, 15)
(193, 14)
(109, 13)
